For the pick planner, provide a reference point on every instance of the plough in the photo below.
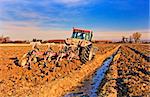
(42, 58)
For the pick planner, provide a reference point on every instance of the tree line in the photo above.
(135, 37)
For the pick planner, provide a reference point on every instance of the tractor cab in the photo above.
(82, 34)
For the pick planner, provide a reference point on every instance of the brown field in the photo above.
(128, 73)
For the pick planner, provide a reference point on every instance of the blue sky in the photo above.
(25, 19)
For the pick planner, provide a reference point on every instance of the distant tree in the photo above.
(130, 39)
(6, 39)
(123, 39)
(136, 36)
(34, 40)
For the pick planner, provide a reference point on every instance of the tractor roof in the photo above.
(81, 30)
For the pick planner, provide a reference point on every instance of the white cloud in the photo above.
(70, 1)
(73, 3)
(27, 17)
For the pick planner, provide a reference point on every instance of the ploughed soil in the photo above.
(52, 81)
(127, 75)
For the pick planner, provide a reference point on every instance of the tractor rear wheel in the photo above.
(84, 53)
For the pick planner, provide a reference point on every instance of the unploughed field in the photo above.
(128, 73)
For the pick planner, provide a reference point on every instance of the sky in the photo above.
(54, 19)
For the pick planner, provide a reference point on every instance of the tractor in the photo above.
(81, 40)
